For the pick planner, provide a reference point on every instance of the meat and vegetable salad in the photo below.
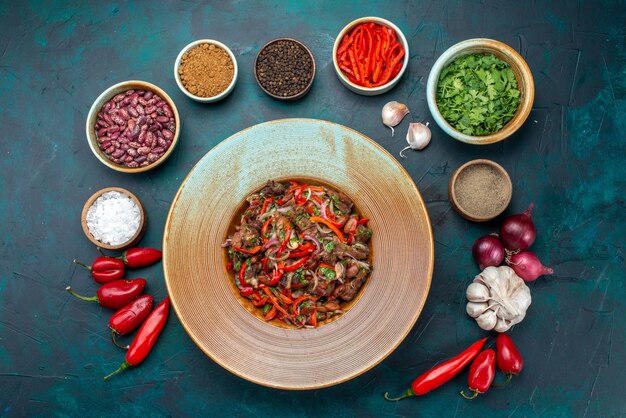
(299, 251)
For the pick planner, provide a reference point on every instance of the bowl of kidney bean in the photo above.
(133, 126)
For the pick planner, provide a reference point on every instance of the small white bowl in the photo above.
(371, 91)
(223, 94)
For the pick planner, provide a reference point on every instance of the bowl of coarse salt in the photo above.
(113, 218)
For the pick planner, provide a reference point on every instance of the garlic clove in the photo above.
(477, 292)
(476, 309)
(393, 113)
(502, 325)
(418, 136)
(488, 320)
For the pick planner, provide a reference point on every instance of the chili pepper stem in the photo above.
(123, 347)
(123, 367)
(469, 398)
(88, 299)
(82, 264)
(509, 376)
(406, 394)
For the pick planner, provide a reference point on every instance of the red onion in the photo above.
(488, 251)
(518, 232)
(527, 265)
(318, 245)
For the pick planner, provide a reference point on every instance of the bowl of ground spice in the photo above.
(480, 91)
(206, 70)
(285, 68)
(480, 190)
(113, 218)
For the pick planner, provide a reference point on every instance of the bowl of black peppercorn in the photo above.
(284, 68)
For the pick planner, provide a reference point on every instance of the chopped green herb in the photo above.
(329, 246)
(266, 308)
(328, 273)
(477, 94)
(335, 199)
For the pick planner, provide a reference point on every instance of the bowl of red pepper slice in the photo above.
(370, 55)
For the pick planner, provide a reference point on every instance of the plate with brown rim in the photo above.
(203, 293)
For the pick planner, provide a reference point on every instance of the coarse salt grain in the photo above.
(113, 218)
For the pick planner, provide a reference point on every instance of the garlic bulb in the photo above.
(498, 299)
(418, 137)
(393, 113)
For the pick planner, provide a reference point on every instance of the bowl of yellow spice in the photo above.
(206, 70)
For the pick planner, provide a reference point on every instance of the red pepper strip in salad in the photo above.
(332, 227)
(146, 337)
(250, 251)
(296, 265)
(362, 221)
(267, 202)
(278, 273)
(269, 294)
(286, 240)
(271, 313)
(441, 373)
(264, 229)
(242, 272)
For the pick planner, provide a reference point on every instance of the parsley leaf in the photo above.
(477, 94)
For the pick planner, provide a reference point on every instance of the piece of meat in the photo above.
(352, 270)
(363, 234)
(351, 288)
(341, 201)
(360, 252)
(249, 237)
(273, 188)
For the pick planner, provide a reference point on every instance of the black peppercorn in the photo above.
(284, 68)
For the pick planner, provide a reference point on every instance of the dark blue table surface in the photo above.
(57, 57)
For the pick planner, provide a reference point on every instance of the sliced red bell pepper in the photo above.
(345, 43)
(266, 225)
(362, 221)
(286, 240)
(250, 251)
(266, 203)
(270, 314)
(296, 265)
(242, 272)
(332, 227)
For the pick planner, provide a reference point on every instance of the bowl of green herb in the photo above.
(480, 91)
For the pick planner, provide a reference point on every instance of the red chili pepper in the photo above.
(482, 372)
(509, 359)
(115, 294)
(250, 251)
(105, 269)
(441, 373)
(296, 265)
(140, 257)
(146, 337)
(129, 317)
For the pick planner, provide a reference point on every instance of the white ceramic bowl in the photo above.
(371, 91)
(223, 94)
(502, 51)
